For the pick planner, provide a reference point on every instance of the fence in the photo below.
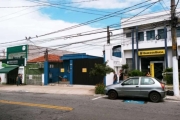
(34, 79)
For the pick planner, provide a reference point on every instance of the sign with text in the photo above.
(151, 52)
(19, 62)
(17, 52)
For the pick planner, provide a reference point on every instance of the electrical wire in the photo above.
(94, 20)
(163, 7)
(45, 5)
(176, 4)
(60, 6)
(88, 22)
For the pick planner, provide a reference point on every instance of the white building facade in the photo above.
(145, 46)
(151, 35)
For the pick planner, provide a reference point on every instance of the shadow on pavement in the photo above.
(135, 100)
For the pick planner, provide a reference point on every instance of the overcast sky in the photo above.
(30, 18)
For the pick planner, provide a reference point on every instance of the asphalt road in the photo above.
(35, 106)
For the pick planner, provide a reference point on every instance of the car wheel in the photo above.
(112, 94)
(155, 97)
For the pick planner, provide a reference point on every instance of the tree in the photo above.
(101, 70)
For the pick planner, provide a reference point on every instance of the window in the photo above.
(132, 81)
(141, 36)
(128, 35)
(51, 66)
(117, 51)
(150, 35)
(178, 31)
(161, 33)
(129, 62)
(146, 81)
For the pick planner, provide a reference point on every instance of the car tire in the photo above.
(112, 94)
(155, 97)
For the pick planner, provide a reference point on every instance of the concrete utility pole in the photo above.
(137, 48)
(108, 35)
(174, 20)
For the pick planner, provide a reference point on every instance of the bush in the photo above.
(169, 77)
(168, 70)
(99, 89)
(135, 73)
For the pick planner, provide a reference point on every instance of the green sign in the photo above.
(19, 62)
(17, 52)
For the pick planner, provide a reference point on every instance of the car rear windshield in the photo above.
(160, 81)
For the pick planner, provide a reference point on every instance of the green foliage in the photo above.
(135, 73)
(99, 89)
(125, 66)
(101, 70)
(168, 70)
(168, 77)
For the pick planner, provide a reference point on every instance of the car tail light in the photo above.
(163, 86)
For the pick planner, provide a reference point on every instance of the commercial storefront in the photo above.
(153, 61)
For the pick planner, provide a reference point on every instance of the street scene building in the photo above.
(17, 58)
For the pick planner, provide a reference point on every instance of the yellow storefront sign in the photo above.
(151, 52)
(152, 69)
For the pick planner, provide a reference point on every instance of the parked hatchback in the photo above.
(146, 87)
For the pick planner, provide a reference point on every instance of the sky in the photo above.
(31, 18)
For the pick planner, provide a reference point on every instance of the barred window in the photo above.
(129, 62)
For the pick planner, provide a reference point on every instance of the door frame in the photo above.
(163, 62)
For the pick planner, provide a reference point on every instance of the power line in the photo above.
(176, 5)
(74, 8)
(163, 7)
(165, 4)
(97, 19)
(94, 20)
(72, 35)
(13, 13)
(45, 5)
(139, 13)
(19, 16)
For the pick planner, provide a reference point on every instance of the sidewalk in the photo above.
(175, 98)
(60, 89)
(56, 89)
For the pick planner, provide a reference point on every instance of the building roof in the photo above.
(51, 58)
(78, 56)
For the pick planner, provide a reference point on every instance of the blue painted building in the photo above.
(78, 66)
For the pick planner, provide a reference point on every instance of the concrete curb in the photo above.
(172, 98)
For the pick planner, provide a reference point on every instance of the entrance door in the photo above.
(157, 69)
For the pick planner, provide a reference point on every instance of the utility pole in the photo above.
(137, 48)
(174, 49)
(46, 55)
(133, 55)
(108, 35)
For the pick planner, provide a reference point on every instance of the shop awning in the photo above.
(7, 69)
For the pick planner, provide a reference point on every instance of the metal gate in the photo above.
(33, 79)
(83, 78)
